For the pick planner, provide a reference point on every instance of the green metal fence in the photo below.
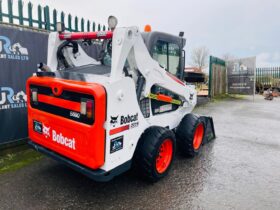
(46, 19)
(268, 76)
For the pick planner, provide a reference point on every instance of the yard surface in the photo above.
(238, 170)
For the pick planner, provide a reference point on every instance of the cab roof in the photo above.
(150, 39)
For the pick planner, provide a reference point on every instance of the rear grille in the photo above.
(145, 107)
(65, 97)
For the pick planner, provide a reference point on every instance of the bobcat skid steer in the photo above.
(125, 106)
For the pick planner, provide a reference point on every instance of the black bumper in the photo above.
(98, 175)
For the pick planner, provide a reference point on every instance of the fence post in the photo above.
(54, 19)
(20, 12)
(39, 16)
(62, 16)
(1, 17)
(261, 75)
(104, 28)
(263, 79)
(210, 77)
(257, 75)
(10, 11)
(99, 27)
(29, 11)
(267, 75)
(47, 17)
(76, 23)
(93, 26)
(82, 25)
(88, 25)
(270, 74)
(69, 22)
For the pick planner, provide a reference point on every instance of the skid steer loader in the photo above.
(125, 106)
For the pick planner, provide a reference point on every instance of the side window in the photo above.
(174, 58)
(160, 53)
(167, 55)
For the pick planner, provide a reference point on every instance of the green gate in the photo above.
(217, 77)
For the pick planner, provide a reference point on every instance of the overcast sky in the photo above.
(239, 27)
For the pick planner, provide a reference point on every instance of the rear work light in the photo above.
(87, 108)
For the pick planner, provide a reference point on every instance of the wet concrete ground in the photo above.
(239, 170)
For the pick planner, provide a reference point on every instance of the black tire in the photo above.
(148, 149)
(185, 134)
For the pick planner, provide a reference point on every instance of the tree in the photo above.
(228, 57)
(199, 57)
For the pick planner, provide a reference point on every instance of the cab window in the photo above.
(167, 55)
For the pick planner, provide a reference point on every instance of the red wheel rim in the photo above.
(164, 157)
(198, 136)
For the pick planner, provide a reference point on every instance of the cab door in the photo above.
(168, 56)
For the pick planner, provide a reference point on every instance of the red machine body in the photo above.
(53, 122)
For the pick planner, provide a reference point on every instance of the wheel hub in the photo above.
(198, 136)
(164, 157)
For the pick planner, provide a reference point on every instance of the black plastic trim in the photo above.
(63, 112)
(98, 175)
(156, 89)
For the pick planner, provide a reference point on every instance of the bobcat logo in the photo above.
(114, 120)
(46, 131)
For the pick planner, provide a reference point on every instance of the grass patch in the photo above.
(14, 161)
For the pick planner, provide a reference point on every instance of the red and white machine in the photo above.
(126, 105)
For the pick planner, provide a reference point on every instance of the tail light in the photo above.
(87, 108)
(34, 95)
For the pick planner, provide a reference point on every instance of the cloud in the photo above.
(238, 27)
(268, 59)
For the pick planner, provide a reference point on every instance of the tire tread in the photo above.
(146, 151)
